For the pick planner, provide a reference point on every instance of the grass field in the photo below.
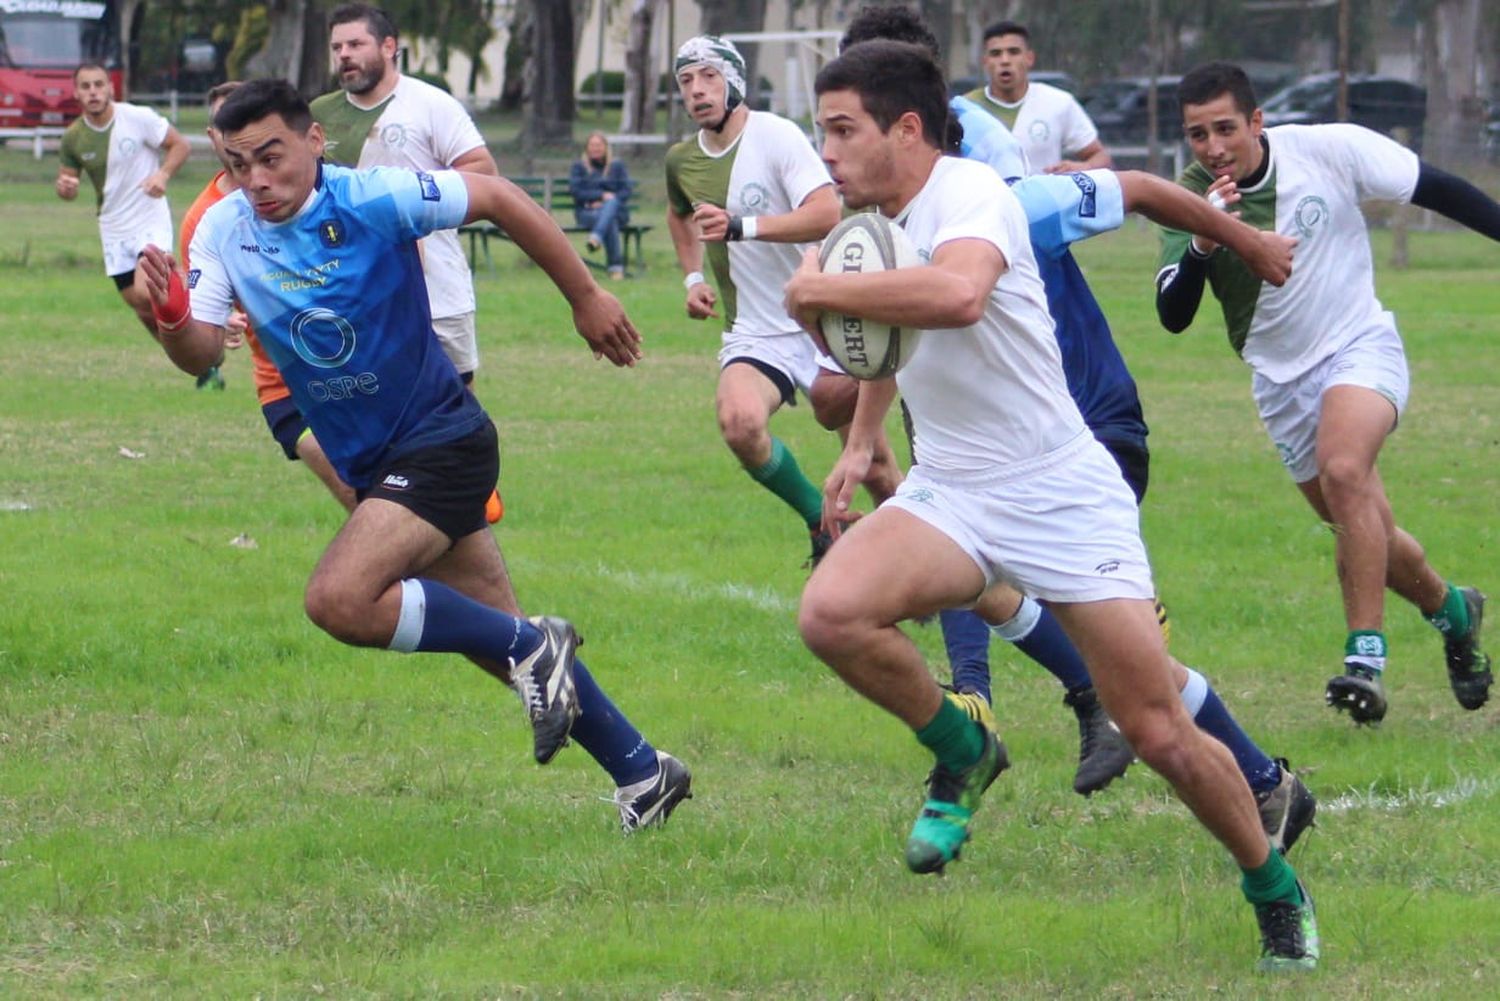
(203, 796)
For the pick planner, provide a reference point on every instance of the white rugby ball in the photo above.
(863, 244)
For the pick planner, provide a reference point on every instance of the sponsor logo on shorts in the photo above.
(395, 482)
(430, 192)
(921, 495)
(193, 277)
(1107, 567)
(1285, 451)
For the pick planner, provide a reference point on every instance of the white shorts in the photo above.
(794, 356)
(456, 334)
(1290, 411)
(122, 247)
(1066, 528)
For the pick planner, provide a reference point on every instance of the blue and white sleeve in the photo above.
(410, 204)
(1062, 209)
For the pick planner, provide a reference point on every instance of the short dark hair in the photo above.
(999, 28)
(896, 22)
(1203, 83)
(220, 90)
(92, 64)
(257, 99)
(892, 78)
(377, 20)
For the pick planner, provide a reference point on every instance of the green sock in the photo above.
(1273, 881)
(1453, 618)
(953, 737)
(783, 477)
(1366, 647)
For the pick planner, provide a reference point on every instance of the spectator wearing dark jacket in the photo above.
(601, 191)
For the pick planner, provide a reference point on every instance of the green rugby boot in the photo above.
(952, 797)
(1288, 935)
(1468, 666)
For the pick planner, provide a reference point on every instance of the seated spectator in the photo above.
(601, 192)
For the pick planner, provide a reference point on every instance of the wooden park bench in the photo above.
(552, 194)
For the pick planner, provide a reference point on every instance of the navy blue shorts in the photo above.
(445, 485)
(286, 424)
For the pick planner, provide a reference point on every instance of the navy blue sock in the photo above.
(1259, 770)
(967, 638)
(437, 619)
(1046, 643)
(603, 731)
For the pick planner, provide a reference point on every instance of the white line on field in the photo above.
(761, 598)
(1462, 790)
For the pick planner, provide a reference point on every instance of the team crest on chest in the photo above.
(393, 135)
(1310, 213)
(331, 233)
(127, 146)
(1039, 131)
(754, 197)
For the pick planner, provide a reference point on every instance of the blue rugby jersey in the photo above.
(987, 140)
(336, 296)
(1063, 209)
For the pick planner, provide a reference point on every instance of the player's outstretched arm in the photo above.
(866, 432)
(1268, 255)
(177, 150)
(1457, 199)
(700, 295)
(598, 316)
(193, 346)
(812, 220)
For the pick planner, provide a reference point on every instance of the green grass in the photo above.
(201, 795)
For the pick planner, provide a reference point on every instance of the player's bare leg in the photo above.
(1134, 676)
(891, 566)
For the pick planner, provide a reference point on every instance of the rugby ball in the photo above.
(863, 244)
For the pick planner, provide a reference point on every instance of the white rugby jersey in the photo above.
(419, 127)
(769, 170)
(1314, 183)
(991, 398)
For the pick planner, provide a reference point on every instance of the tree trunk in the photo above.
(128, 11)
(939, 17)
(1454, 105)
(638, 116)
(550, 107)
(296, 48)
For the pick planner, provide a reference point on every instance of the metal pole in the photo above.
(603, 6)
(1343, 60)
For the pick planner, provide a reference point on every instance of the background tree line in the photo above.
(1091, 41)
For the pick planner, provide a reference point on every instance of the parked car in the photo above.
(1381, 103)
(963, 84)
(1120, 109)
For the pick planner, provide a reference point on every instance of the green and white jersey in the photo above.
(419, 127)
(770, 169)
(117, 159)
(1313, 186)
(1049, 122)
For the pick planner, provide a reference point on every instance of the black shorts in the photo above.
(1134, 460)
(286, 424)
(445, 485)
(782, 382)
(124, 280)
